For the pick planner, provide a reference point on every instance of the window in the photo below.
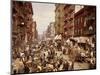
(81, 19)
(14, 11)
(85, 22)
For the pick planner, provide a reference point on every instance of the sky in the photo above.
(43, 14)
(78, 7)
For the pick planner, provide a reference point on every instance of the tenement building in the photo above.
(22, 23)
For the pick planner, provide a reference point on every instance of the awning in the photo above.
(81, 39)
(58, 37)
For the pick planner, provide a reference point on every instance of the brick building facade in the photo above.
(22, 23)
(85, 21)
(69, 11)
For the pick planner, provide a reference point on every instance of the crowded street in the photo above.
(52, 37)
(54, 56)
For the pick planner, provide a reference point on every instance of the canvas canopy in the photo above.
(81, 39)
(58, 37)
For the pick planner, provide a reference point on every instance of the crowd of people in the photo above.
(52, 56)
